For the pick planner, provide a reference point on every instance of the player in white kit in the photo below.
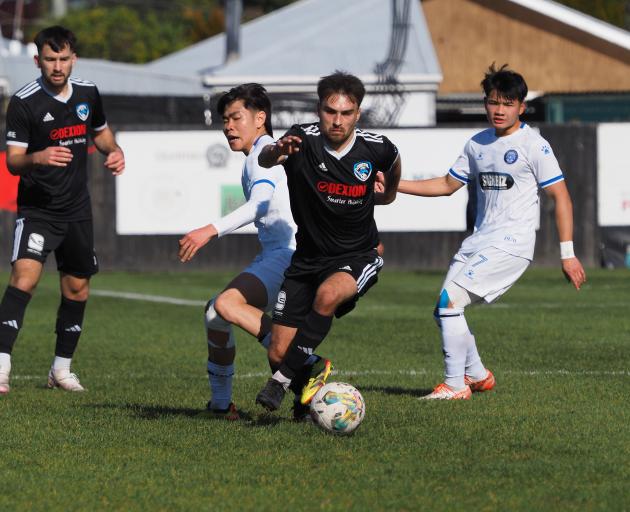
(246, 113)
(508, 163)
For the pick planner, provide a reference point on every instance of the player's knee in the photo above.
(453, 296)
(23, 283)
(213, 320)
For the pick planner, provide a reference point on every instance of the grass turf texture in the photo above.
(553, 436)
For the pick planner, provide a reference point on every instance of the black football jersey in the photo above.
(37, 119)
(332, 194)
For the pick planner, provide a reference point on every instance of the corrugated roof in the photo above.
(310, 38)
(17, 68)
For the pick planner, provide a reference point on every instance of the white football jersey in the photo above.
(276, 228)
(508, 172)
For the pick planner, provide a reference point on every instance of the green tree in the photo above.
(615, 12)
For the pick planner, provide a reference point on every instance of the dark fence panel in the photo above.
(575, 147)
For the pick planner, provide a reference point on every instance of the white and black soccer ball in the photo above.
(338, 408)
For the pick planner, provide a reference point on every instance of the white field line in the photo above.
(162, 299)
(147, 298)
(404, 373)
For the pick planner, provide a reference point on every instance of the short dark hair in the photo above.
(341, 82)
(57, 37)
(508, 84)
(254, 97)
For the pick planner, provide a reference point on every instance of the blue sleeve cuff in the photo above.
(551, 181)
(463, 179)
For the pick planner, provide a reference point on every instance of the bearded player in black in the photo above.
(48, 123)
(331, 167)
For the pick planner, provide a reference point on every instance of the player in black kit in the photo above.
(331, 167)
(47, 127)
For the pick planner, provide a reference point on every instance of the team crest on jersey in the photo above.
(362, 170)
(510, 156)
(83, 111)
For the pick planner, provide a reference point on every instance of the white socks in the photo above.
(279, 376)
(5, 362)
(474, 367)
(220, 380)
(456, 339)
(61, 365)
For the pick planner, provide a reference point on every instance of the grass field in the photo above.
(555, 435)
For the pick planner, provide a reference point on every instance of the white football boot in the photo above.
(65, 380)
(4, 381)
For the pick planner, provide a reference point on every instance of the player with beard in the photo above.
(47, 127)
(331, 167)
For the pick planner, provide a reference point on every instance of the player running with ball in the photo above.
(508, 163)
(331, 167)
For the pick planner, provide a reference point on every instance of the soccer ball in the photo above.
(338, 408)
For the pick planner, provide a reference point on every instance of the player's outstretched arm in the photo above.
(254, 209)
(276, 153)
(195, 240)
(434, 187)
(571, 266)
(106, 143)
(18, 162)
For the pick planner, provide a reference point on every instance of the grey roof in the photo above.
(308, 39)
(17, 68)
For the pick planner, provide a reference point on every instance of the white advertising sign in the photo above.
(613, 174)
(176, 181)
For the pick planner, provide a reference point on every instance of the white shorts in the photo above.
(487, 273)
(269, 267)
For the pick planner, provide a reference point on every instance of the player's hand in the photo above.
(115, 162)
(195, 240)
(288, 145)
(573, 271)
(56, 156)
(379, 183)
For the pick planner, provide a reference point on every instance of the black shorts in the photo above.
(305, 275)
(73, 243)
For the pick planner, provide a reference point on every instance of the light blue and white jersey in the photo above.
(508, 172)
(267, 203)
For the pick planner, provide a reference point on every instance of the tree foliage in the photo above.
(615, 12)
(143, 30)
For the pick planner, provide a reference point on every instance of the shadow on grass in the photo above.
(158, 412)
(416, 393)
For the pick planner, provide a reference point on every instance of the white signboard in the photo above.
(176, 181)
(426, 153)
(613, 174)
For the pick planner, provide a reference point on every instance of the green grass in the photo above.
(554, 435)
